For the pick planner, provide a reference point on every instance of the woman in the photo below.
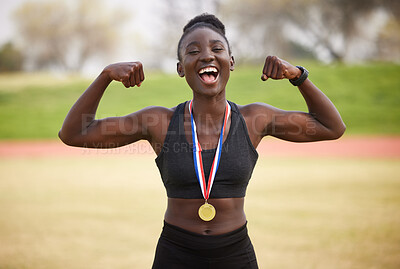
(206, 148)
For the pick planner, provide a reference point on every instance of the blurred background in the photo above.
(331, 204)
(76, 36)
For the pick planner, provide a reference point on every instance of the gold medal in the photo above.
(207, 212)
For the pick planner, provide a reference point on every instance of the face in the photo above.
(205, 61)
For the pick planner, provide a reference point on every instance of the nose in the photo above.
(207, 56)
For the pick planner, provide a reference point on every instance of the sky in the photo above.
(7, 27)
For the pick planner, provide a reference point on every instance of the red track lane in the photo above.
(350, 146)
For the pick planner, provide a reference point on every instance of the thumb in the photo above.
(285, 73)
(264, 77)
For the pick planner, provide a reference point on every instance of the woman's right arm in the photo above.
(81, 129)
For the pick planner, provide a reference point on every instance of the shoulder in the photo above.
(155, 121)
(152, 112)
(151, 118)
(157, 116)
(258, 109)
(159, 110)
(258, 116)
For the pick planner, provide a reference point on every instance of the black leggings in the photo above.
(178, 248)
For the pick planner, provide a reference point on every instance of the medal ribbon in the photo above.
(198, 161)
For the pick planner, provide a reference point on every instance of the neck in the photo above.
(209, 107)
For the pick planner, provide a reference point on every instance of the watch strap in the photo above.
(302, 78)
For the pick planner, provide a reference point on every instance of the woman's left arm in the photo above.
(322, 122)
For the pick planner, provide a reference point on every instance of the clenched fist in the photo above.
(276, 68)
(129, 73)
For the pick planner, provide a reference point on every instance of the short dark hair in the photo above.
(203, 20)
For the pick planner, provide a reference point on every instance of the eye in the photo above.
(193, 52)
(218, 49)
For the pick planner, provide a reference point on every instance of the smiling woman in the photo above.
(206, 147)
(205, 55)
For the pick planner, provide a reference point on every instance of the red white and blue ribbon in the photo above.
(198, 161)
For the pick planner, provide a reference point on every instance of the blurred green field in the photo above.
(106, 212)
(368, 97)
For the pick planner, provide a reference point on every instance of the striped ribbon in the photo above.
(198, 161)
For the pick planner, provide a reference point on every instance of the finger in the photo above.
(274, 70)
(264, 76)
(266, 65)
(279, 73)
(141, 76)
(125, 80)
(132, 77)
(269, 67)
(137, 75)
(285, 73)
(141, 73)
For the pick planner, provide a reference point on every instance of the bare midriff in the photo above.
(184, 214)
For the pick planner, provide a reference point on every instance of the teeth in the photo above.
(208, 69)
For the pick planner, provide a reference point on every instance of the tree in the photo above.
(257, 28)
(389, 42)
(64, 34)
(11, 58)
(173, 15)
(346, 30)
(331, 29)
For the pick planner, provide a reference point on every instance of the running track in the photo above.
(347, 146)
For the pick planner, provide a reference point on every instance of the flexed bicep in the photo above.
(81, 129)
(295, 126)
(264, 120)
(322, 122)
(112, 132)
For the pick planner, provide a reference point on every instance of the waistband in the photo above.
(207, 245)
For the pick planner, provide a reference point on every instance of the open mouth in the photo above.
(208, 74)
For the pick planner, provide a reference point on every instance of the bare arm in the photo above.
(322, 122)
(82, 130)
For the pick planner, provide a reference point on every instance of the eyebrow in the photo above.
(192, 43)
(216, 41)
(213, 41)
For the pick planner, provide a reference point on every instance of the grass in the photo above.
(106, 212)
(368, 97)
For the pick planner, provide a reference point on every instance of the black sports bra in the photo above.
(238, 158)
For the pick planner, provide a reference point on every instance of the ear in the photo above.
(232, 64)
(179, 69)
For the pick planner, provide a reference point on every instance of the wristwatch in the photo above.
(302, 78)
